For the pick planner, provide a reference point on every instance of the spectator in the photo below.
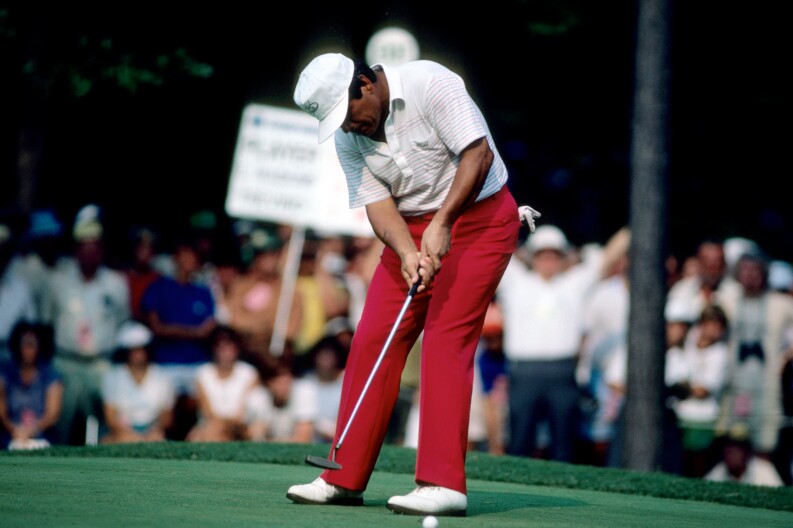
(31, 391)
(760, 319)
(696, 375)
(710, 281)
(780, 276)
(141, 271)
(294, 408)
(326, 377)
(780, 279)
(363, 255)
(615, 376)
(679, 319)
(16, 297)
(740, 464)
(321, 290)
(605, 328)
(736, 247)
(542, 300)
(341, 329)
(138, 397)
(231, 400)
(253, 298)
(491, 365)
(85, 303)
(203, 229)
(41, 253)
(228, 268)
(180, 313)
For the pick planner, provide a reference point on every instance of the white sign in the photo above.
(392, 46)
(281, 174)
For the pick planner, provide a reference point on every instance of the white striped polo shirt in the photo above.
(432, 119)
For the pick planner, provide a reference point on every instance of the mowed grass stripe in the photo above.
(479, 466)
(54, 491)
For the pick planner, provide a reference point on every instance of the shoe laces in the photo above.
(422, 490)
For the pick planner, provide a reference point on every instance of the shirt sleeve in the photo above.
(363, 186)
(452, 113)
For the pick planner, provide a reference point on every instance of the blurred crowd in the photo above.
(200, 335)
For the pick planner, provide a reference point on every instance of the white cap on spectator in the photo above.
(780, 275)
(736, 247)
(87, 224)
(132, 334)
(547, 237)
(679, 311)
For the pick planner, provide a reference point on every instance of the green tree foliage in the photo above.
(79, 63)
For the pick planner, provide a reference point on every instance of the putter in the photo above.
(331, 463)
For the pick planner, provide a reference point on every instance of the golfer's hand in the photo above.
(435, 244)
(411, 269)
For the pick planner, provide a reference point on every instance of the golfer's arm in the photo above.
(475, 162)
(390, 227)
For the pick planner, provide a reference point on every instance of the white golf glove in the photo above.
(527, 215)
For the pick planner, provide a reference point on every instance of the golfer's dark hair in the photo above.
(361, 68)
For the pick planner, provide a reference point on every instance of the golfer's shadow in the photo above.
(484, 502)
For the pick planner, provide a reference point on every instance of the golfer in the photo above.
(417, 152)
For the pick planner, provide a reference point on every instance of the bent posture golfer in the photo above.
(417, 152)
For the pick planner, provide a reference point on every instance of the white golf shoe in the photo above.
(320, 492)
(430, 500)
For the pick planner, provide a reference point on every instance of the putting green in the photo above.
(73, 491)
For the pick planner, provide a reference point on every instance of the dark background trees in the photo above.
(139, 106)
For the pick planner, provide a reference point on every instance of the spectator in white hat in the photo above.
(542, 300)
(41, 252)
(85, 303)
(138, 397)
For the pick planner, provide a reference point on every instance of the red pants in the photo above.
(451, 313)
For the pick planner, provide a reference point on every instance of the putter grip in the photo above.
(415, 287)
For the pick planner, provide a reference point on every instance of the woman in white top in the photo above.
(231, 403)
(138, 397)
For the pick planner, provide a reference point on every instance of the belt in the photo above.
(426, 217)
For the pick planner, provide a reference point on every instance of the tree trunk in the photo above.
(648, 202)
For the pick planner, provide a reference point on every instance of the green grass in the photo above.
(505, 469)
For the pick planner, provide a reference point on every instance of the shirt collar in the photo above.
(395, 91)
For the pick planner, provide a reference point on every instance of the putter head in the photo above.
(321, 462)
